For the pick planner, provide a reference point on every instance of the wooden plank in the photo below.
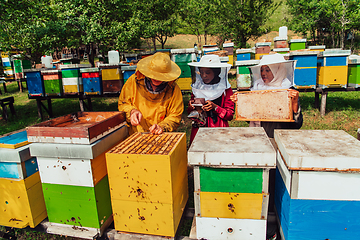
(235, 180)
(232, 205)
(264, 105)
(235, 147)
(232, 229)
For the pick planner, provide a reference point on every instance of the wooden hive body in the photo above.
(72, 81)
(354, 74)
(231, 182)
(112, 78)
(52, 82)
(266, 105)
(316, 171)
(148, 183)
(75, 183)
(91, 81)
(34, 82)
(306, 69)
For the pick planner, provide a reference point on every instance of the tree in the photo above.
(244, 19)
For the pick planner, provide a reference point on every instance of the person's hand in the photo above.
(234, 97)
(156, 129)
(191, 104)
(135, 117)
(209, 105)
(294, 95)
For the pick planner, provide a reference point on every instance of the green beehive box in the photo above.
(354, 72)
(297, 44)
(81, 206)
(185, 70)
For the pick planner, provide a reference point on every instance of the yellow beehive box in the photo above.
(184, 83)
(22, 202)
(148, 183)
(333, 76)
(259, 55)
(111, 74)
(231, 60)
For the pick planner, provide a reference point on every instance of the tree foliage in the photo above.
(325, 20)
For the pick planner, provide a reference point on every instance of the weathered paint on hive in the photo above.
(14, 139)
(318, 150)
(21, 202)
(236, 147)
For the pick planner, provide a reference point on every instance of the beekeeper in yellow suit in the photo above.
(151, 98)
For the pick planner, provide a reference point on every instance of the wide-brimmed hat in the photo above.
(159, 67)
(273, 59)
(210, 61)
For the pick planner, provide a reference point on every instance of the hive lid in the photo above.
(67, 66)
(262, 44)
(247, 63)
(334, 53)
(33, 70)
(245, 50)
(182, 50)
(78, 128)
(107, 65)
(303, 53)
(232, 147)
(130, 54)
(354, 59)
(147, 143)
(281, 49)
(79, 151)
(17, 155)
(230, 44)
(86, 70)
(317, 47)
(14, 139)
(318, 150)
(280, 38)
(297, 40)
(127, 68)
(49, 71)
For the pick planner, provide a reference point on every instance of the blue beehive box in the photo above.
(306, 69)
(91, 81)
(35, 83)
(245, 54)
(128, 71)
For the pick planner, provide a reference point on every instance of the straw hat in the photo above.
(273, 59)
(159, 67)
(209, 61)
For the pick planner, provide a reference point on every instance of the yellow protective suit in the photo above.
(164, 109)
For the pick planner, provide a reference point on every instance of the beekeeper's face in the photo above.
(207, 74)
(266, 74)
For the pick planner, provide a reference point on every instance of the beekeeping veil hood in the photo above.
(210, 91)
(280, 68)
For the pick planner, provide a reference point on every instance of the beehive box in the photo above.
(184, 83)
(354, 73)
(75, 184)
(34, 82)
(297, 44)
(306, 69)
(243, 74)
(332, 68)
(130, 57)
(231, 60)
(244, 54)
(91, 81)
(128, 71)
(52, 82)
(71, 78)
(281, 50)
(262, 47)
(21, 198)
(229, 47)
(316, 170)
(8, 71)
(148, 183)
(266, 105)
(184, 55)
(231, 182)
(112, 77)
(78, 128)
(280, 42)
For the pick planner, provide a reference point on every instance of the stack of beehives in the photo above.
(21, 197)
(182, 57)
(71, 156)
